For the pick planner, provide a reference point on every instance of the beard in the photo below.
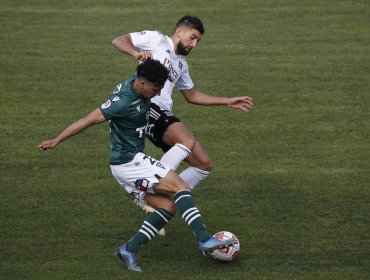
(181, 49)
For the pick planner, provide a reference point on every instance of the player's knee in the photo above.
(205, 165)
(177, 133)
(188, 142)
(208, 166)
(171, 184)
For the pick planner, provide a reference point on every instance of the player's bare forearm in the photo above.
(93, 118)
(194, 96)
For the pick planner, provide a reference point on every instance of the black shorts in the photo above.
(159, 119)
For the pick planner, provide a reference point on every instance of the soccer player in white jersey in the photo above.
(164, 129)
(141, 175)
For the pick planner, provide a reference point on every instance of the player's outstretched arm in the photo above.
(95, 117)
(194, 96)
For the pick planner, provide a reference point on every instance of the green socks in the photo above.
(149, 229)
(159, 218)
(190, 213)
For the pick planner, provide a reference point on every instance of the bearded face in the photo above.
(188, 40)
(182, 50)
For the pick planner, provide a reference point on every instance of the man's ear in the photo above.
(141, 82)
(178, 32)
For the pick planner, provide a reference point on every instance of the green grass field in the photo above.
(291, 178)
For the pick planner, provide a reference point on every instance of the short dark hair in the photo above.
(192, 22)
(152, 71)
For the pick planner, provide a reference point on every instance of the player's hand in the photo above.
(47, 144)
(144, 55)
(244, 103)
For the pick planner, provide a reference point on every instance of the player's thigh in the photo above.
(161, 201)
(178, 133)
(170, 184)
(199, 158)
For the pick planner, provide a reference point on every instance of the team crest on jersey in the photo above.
(180, 65)
(106, 104)
(142, 185)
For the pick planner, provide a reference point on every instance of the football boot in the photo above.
(128, 258)
(213, 244)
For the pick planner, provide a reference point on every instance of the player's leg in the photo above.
(164, 211)
(160, 201)
(178, 133)
(170, 189)
(172, 159)
(199, 161)
(159, 120)
(174, 156)
(174, 186)
(138, 177)
(148, 230)
(165, 131)
(200, 166)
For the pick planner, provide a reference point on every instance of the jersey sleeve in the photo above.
(184, 81)
(114, 107)
(146, 40)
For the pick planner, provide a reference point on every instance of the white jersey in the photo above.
(162, 49)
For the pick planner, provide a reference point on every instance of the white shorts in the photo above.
(139, 175)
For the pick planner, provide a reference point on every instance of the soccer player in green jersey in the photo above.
(127, 111)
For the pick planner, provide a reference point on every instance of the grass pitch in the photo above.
(291, 178)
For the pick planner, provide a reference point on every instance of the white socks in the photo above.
(174, 156)
(193, 176)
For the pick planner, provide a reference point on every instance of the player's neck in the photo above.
(175, 41)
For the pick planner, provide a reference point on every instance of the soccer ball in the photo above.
(226, 254)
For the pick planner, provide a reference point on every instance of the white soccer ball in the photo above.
(227, 254)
